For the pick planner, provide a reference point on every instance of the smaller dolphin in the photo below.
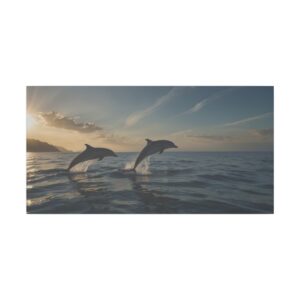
(153, 147)
(91, 153)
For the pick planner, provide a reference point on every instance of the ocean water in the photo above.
(172, 182)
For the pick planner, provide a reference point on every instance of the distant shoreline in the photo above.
(36, 146)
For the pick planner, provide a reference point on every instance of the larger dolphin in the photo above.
(153, 147)
(91, 153)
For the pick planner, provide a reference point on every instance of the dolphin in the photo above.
(153, 147)
(91, 153)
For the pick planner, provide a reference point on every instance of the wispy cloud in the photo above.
(247, 120)
(213, 138)
(181, 132)
(201, 104)
(137, 116)
(263, 136)
(198, 106)
(57, 120)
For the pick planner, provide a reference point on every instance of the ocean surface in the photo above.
(172, 182)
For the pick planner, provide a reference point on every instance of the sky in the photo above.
(121, 118)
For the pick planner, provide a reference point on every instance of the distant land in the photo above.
(39, 146)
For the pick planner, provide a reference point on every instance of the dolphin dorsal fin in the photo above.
(88, 146)
(148, 141)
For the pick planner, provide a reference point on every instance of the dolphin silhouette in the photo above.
(153, 147)
(91, 153)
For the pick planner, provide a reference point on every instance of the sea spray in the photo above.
(129, 165)
(142, 169)
(83, 166)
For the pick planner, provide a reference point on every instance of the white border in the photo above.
(153, 43)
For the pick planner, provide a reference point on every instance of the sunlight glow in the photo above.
(29, 121)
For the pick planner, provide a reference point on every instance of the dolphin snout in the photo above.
(175, 146)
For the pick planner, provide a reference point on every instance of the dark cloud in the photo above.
(54, 119)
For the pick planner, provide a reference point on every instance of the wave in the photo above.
(190, 184)
(253, 192)
(267, 186)
(50, 171)
(224, 178)
(183, 183)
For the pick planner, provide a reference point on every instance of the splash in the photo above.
(142, 169)
(83, 166)
(129, 165)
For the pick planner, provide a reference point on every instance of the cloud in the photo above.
(115, 139)
(137, 116)
(57, 120)
(198, 106)
(247, 120)
(213, 138)
(181, 132)
(264, 134)
(249, 136)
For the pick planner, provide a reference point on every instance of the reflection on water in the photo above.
(171, 183)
